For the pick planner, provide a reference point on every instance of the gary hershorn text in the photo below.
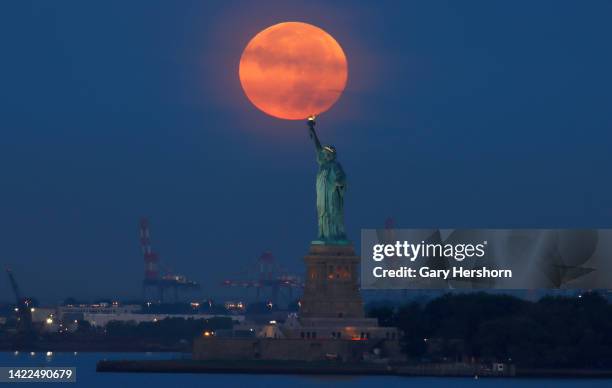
(455, 272)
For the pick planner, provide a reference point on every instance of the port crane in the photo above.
(155, 280)
(266, 274)
(24, 312)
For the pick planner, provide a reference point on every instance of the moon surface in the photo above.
(293, 70)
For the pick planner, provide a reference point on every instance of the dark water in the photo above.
(85, 364)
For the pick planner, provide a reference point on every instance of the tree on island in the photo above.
(554, 332)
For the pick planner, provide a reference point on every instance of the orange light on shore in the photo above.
(293, 70)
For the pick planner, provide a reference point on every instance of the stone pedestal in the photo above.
(331, 289)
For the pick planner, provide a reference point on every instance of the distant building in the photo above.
(102, 319)
(101, 314)
(71, 312)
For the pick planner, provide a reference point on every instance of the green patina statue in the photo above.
(331, 185)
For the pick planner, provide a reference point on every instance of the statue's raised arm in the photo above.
(313, 134)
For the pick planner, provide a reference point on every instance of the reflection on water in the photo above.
(87, 376)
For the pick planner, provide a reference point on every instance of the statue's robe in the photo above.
(331, 185)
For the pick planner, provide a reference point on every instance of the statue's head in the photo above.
(329, 153)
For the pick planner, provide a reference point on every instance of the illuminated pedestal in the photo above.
(331, 307)
(332, 288)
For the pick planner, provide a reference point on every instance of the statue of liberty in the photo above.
(331, 185)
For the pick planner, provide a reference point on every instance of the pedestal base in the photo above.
(332, 288)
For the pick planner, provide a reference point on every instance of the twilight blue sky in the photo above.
(472, 113)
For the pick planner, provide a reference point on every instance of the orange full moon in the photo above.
(293, 70)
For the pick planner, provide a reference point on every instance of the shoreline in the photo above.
(334, 368)
(97, 346)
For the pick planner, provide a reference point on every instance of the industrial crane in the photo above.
(24, 312)
(152, 277)
(267, 274)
